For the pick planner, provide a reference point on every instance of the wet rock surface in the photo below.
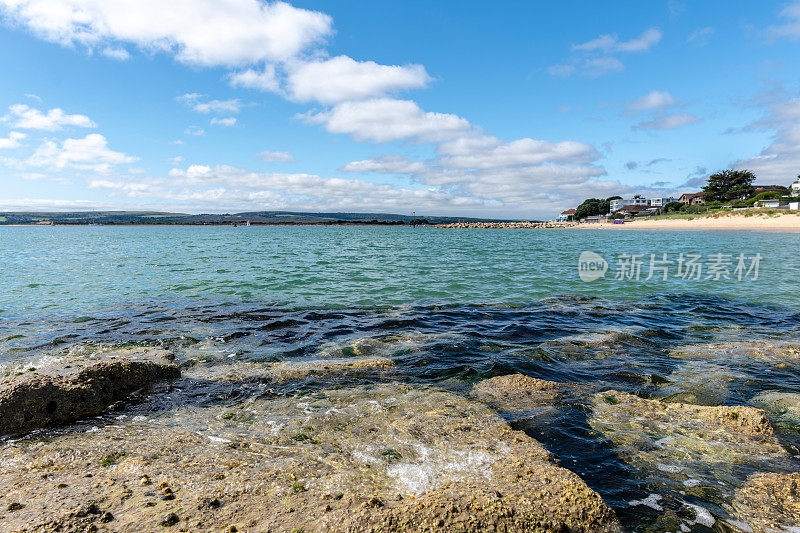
(698, 451)
(769, 502)
(382, 457)
(79, 386)
(517, 396)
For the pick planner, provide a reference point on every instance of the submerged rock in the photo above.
(769, 502)
(517, 396)
(696, 450)
(78, 387)
(384, 457)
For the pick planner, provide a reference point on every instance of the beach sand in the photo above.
(787, 222)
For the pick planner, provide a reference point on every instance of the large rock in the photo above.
(78, 387)
(380, 457)
(769, 502)
(518, 397)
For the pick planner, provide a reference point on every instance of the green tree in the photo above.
(673, 206)
(729, 185)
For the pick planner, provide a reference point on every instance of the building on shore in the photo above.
(566, 216)
(661, 202)
(618, 203)
(692, 198)
(795, 187)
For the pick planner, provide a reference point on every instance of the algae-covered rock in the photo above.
(78, 387)
(769, 502)
(702, 451)
(387, 457)
(517, 396)
(783, 406)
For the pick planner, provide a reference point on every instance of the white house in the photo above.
(796, 187)
(661, 202)
(619, 203)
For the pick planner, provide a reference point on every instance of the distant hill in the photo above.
(254, 217)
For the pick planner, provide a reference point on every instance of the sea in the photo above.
(703, 317)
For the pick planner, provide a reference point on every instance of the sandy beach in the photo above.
(788, 222)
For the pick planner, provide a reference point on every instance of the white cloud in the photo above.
(198, 103)
(225, 122)
(668, 122)
(277, 157)
(201, 32)
(132, 189)
(700, 37)
(780, 161)
(388, 164)
(264, 80)
(194, 130)
(342, 78)
(384, 120)
(652, 101)
(120, 54)
(791, 28)
(489, 152)
(598, 56)
(12, 141)
(89, 153)
(175, 160)
(611, 43)
(25, 117)
(602, 65)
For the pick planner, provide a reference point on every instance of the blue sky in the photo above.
(516, 109)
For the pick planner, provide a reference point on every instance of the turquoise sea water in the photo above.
(82, 270)
(449, 307)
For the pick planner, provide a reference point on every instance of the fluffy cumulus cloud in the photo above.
(526, 177)
(385, 120)
(780, 161)
(201, 32)
(265, 79)
(25, 117)
(342, 78)
(230, 187)
(89, 153)
(12, 141)
(599, 56)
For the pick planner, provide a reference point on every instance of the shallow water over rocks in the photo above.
(262, 374)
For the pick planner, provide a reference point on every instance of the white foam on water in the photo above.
(703, 516)
(139, 418)
(436, 467)
(651, 501)
(218, 439)
(672, 469)
(691, 482)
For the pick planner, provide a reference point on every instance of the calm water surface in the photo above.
(449, 306)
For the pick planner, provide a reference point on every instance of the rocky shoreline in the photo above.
(338, 444)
